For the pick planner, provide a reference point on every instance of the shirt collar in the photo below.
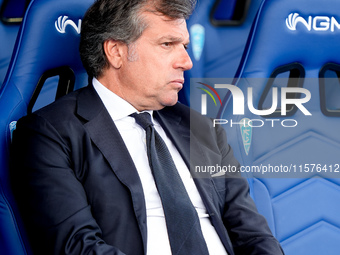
(117, 107)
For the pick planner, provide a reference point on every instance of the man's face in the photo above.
(152, 73)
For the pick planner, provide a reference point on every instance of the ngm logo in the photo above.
(316, 23)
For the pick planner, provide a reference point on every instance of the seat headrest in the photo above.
(48, 38)
(283, 32)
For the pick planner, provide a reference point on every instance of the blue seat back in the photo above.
(293, 43)
(46, 46)
(218, 33)
(11, 13)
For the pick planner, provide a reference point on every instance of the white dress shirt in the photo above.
(135, 140)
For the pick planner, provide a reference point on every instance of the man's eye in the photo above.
(167, 44)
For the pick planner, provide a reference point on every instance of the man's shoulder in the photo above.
(62, 110)
(63, 102)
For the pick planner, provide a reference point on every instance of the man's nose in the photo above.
(183, 61)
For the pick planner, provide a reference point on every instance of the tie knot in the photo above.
(143, 119)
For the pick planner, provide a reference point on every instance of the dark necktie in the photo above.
(181, 218)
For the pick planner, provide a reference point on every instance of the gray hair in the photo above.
(121, 20)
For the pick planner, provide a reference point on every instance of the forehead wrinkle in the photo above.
(171, 38)
(175, 36)
(175, 39)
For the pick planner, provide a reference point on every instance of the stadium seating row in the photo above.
(271, 46)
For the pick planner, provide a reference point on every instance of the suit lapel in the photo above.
(106, 137)
(190, 150)
(186, 143)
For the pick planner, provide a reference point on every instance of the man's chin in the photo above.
(171, 102)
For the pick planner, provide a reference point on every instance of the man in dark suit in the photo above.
(81, 170)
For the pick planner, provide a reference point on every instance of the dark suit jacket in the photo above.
(79, 191)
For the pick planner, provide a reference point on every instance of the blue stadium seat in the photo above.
(218, 33)
(46, 47)
(11, 13)
(293, 45)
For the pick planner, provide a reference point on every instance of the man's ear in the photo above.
(114, 52)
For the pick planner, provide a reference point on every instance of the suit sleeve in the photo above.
(52, 201)
(248, 230)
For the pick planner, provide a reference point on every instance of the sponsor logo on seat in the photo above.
(312, 23)
(197, 32)
(63, 21)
